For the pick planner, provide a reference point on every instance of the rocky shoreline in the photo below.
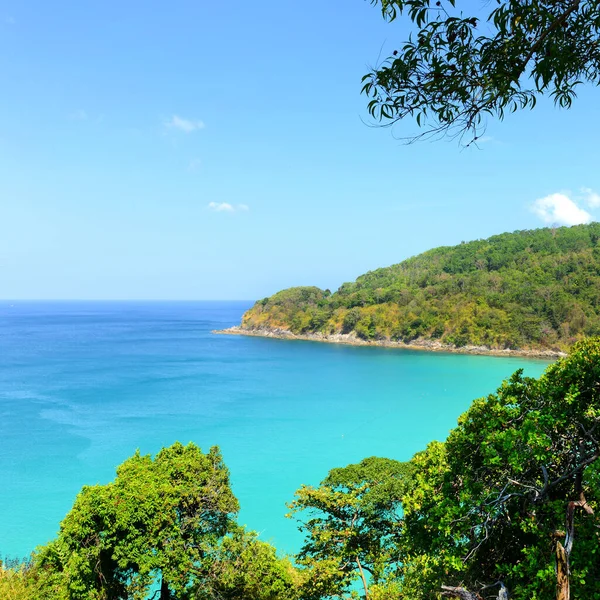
(419, 344)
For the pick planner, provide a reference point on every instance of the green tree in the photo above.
(19, 582)
(512, 495)
(457, 68)
(353, 526)
(158, 520)
(241, 567)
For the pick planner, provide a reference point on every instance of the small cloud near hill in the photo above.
(559, 209)
(591, 197)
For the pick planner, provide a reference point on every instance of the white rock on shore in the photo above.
(418, 344)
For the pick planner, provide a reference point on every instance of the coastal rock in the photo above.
(419, 344)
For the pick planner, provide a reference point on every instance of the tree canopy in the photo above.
(158, 520)
(458, 67)
(241, 567)
(512, 494)
(352, 527)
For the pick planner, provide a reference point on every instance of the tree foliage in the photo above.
(536, 289)
(352, 527)
(163, 528)
(507, 503)
(242, 567)
(456, 68)
(159, 519)
(516, 483)
(19, 581)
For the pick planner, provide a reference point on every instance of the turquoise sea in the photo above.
(83, 384)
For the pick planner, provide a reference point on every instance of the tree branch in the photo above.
(459, 592)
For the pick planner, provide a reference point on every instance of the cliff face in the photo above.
(530, 290)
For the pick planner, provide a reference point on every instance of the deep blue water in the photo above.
(83, 384)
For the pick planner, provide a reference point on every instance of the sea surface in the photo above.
(84, 384)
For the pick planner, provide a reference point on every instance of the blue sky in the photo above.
(217, 150)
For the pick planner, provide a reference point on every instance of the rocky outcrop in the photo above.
(418, 344)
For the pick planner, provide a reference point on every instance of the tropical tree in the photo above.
(353, 526)
(19, 582)
(456, 68)
(510, 498)
(158, 521)
(242, 567)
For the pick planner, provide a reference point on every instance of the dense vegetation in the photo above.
(536, 289)
(507, 504)
(459, 64)
(165, 524)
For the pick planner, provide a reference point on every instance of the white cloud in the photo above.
(185, 125)
(559, 209)
(226, 207)
(591, 197)
(221, 207)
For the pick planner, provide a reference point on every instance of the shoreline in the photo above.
(419, 344)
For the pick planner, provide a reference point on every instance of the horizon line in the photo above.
(126, 300)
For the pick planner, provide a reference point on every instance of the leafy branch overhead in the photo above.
(457, 68)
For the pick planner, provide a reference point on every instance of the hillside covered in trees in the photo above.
(531, 290)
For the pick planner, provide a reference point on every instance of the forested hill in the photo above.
(537, 289)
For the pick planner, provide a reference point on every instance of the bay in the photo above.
(85, 384)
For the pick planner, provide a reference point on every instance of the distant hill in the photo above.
(530, 290)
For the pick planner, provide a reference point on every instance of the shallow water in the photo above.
(83, 384)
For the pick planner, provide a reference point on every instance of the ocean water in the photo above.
(84, 384)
